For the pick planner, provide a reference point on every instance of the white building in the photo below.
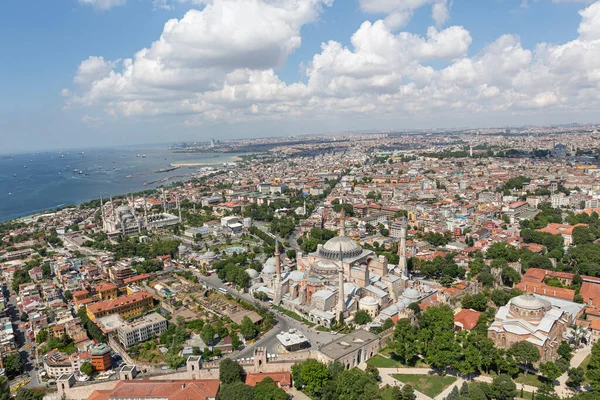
(141, 329)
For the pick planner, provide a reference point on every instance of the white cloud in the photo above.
(399, 12)
(103, 4)
(217, 65)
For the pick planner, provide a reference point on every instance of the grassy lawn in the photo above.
(529, 379)
(382, 362)
(386, 394)
(293, 315)
(430, 385)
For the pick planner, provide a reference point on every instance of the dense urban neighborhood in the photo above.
(457, 265)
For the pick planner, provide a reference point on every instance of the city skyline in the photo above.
(163, 71)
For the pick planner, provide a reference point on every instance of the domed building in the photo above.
(533, 319)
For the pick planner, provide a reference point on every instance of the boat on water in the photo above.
(80, 172)
(143, 156)
(138, 155)
(24, 166)
(14, 175)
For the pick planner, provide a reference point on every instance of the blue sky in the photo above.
(44, 43)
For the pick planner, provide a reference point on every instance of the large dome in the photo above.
(528, 302)
(347, 246)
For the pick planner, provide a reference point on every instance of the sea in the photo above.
(34, 182)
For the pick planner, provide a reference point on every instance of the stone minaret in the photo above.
(102, 211)
(402, 250)
(277, 260)
(341, 301)
(343, 222)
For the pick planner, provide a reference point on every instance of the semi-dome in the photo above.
(343, 244)
(325, 266)
(252, 273)
(209, 254)
(528, 302)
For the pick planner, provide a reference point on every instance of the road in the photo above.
(24, 345)
(284, 323)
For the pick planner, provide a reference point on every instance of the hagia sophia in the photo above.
(340, 266)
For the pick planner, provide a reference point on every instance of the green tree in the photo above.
(372, 371)
(310, 375)
(354, 384)
(174, 360)
(24, 317)
(267, 389)
(524, 353)
(86, 368)
(13, 364)
(404, 342)
(362, 317)
(476, 302)
(550, 371)
(236, 391)
(503, 388)
(248, 329)
(42, 336)
(576, 377)
(230, 371)
(564, 350)
(408, 393)
(593, 368)
(207, 334)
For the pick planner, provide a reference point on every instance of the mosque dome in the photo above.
(325, 267)
(411, 294)
(368, 301)
(528, 302)
(209, 254)
(340, 244)
(252, 273)
(270, 266)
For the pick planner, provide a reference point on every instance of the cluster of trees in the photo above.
(317, 236)
(263, 212)
(283, 226)
(131, 247)
(333, 381)
(90, 326)
(501, 388)
(433, 340)
(188, 275)
(147, 266)
(265, 238)
(442, 268)
(234, 274)
(13, 365)
(233, 388)
(21, 275)
(437, 239)
(64, 344)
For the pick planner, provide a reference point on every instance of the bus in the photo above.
(222, 290)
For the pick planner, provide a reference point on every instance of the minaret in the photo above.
(304, 209)
(179, 209)
(114, 212)
(145, 214)
(102, 210)
(471, 151)
(402, 249)
(277, 260)
(277, 284)
(341, 301)
(343, 222)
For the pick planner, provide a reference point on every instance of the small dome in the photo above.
(270, 261)
(368, 301)
(528, 302)
(122, 208)
(252, 273)
(209, 254)
(411, 294)
(326, 265)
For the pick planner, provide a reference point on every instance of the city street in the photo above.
(25, 347)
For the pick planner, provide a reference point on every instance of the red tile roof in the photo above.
(167, 389)
(467, 319)
(114, 303)
(282, 378)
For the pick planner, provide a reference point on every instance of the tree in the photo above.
(230, 371)
(267, 389)
(310, 375)
(408, 393)
(476, 302)
(464, 389)
(396, 393)
(503, 388)
(564, 350)
(236, 391)
(576, 377)
(26, 394)
(372, 371)
(593, 368)
(235, 341)
(13, 364)
(404, 343)
(42, 336)
(524, 353)
(24, 317)
(86, 368)
(248, 329)
(207, 334)
(362, 317)
(174, 360)
(550, 371)
(354, 384)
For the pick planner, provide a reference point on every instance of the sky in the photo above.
(77, 73)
